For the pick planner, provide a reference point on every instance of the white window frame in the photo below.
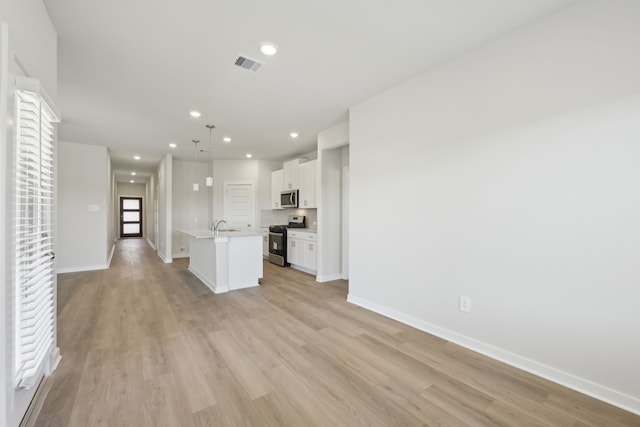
(36, 351)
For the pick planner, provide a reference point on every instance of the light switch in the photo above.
(94, 208)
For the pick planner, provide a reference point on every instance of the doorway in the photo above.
(130, 216)
(238, 205)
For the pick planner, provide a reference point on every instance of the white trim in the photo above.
(613, 397)
(33, 85)
(303, 269)
(328, 277)
(164, 258)
(150, 243)
(182, 255)
(6, 339)
(82, 268)
(113, 248)
(203, 279)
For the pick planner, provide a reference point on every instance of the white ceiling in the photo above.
(130, 71)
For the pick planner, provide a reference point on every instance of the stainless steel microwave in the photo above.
(289, 199)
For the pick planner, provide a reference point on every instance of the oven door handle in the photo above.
(271, 233)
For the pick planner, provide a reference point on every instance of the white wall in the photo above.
(83, 181)
(329, 182)
(28, 46)
(265, 167)
(510, 175)
(112, 216)
(165, 197)
(190, 208)
(34, 42)
(127, 189)
(150, 215)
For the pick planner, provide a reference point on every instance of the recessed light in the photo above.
(195, 113)
(293, 134)
(268, 49)
(136, 157)
(131, 181)
(249, 155)
(173, 145)
(133, 173)
(226, 139)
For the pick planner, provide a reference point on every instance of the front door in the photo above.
(130, 216)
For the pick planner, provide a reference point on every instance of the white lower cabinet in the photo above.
(301, 250)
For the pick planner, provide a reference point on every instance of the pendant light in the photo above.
(209, 179)
(196, 186)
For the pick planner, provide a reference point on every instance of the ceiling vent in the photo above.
(248, 63)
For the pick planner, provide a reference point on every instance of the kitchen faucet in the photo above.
(215, 225)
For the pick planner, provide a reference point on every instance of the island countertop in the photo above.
(204, 233)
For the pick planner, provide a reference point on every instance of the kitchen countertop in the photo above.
(203, 233)
(308, 230)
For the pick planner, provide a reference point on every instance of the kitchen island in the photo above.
(225, 260)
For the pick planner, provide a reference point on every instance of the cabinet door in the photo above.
(308, 185)
(310, 255)
(291, 176)
(276, 188)
(292, 251)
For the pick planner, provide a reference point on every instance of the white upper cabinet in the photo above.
(291, 177)
(307, 196)
(276, 188)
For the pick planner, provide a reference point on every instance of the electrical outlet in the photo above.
(182, 249)
(465, 304)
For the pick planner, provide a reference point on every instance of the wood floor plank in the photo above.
(145, 343)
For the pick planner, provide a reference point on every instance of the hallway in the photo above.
(147, 344)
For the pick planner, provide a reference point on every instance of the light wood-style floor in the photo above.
(146, 344)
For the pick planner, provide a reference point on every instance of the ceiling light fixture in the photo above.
(293, 135)
(268, 49)
(133, 173)
(196, 186)
(195, 113)
(136, 157)
(226, 139)
(249, 155)
(173, 145)
(131, 181)
(209, 178)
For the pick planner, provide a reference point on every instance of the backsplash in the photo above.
(281, 216)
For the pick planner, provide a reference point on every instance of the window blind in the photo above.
(34, 251)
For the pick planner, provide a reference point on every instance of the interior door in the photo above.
(130, 216)
(238, 206)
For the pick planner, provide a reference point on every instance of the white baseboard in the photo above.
(82, 268)
(203, 279)
(303, 269)
(181, 255)
(597, 391)
(113, 249)
(328, 277)
(164, 258)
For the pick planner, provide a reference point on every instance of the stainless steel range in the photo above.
(278, 239)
